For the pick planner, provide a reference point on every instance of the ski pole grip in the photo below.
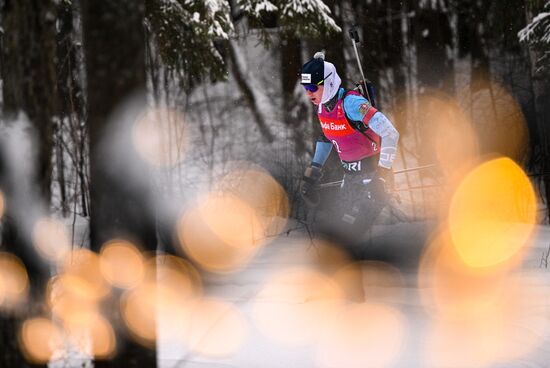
(354, 34)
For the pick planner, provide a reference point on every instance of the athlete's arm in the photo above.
(323, 147)
(357, 108)
(382, 126)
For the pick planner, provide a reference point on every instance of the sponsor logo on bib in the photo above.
(332, 126)
(352, 166)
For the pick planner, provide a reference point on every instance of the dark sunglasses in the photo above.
(314, 87)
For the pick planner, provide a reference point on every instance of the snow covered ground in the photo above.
(405, 241)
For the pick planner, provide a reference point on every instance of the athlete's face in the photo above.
(316, 96)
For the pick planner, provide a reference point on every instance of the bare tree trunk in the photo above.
(28, 72)
(248, 92)
(71, 99)
(114, 49)
(541, 94)
(432, 37)
(291, 63)
(474, 41)
(370, 19)
(60, 169)
(293, 116)
(396, 41)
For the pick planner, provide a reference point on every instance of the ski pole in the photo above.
(414, 169)
(339, 182)
(355, 38)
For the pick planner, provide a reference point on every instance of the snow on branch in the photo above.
(255, 8)
(301, 17)
(538, 31)
(219, 19)
(311, 16)
(537, 35)
(186, 32)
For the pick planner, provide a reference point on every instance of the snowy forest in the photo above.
(153, 149)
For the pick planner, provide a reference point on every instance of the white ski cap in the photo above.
(331, 84)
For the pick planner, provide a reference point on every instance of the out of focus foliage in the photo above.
(537, 35)
(189, 34)
(186, 33)
(301, 18)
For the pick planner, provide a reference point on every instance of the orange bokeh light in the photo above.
(103, 338)
(258, 189)
(14, 282)
(499, 121)
(159, 136)
(69, 307)
(455, 141)
(51, 240)
(222, 233)
(121, 263)
(492, 213)
(90, 331)
(39, 338)
(481, 315)
(441, 133)
(170, 287)
(513, 323)
(2, 204)
(139, 310)
(452, 287)
(370, 281)
(80, 275)
(77, 308)
(447, 135)
(175, 273)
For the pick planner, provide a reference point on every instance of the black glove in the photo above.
(308, 186)
(380, 184)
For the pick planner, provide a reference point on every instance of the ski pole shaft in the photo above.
(339, 182)
(355, 38)
(418, 187)
(415, 169)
